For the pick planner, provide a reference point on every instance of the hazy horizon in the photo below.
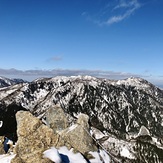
(30, 75)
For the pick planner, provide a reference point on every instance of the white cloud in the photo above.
(129, 6)
(115, 19)
(113, 12)
(55, 58)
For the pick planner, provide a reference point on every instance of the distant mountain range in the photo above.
(118, 109)
(5, 82)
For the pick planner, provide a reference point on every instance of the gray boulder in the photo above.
(78, 136)
(56, 119)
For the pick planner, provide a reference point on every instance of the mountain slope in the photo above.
(5, 82)
(117, 108)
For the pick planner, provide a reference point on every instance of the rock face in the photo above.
(56, 119)
(33, 139)
(1, 145)
(78, 136)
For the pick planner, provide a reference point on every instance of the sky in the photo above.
(111, 38)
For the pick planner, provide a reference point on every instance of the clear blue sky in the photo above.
(106, 35)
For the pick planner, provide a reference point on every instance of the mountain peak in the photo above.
(5, 82)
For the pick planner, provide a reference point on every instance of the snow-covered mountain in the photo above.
(5, 82)
(117, 108)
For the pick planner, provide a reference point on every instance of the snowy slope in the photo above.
(117, 108)
(5, 82)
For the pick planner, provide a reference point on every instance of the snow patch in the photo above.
(126, 153)
(72, 128)
(63, 155)
(1, 124)
(6, 158)
(72, 157)
(53, 155)
(96, 133)
(143, 131)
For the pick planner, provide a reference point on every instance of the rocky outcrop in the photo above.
(33, 139)
(56, 119)
(78, 135)
(143, 131)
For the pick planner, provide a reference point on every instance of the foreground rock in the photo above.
(78, 136)
(56, 118)
(1, 145)
(33, 139)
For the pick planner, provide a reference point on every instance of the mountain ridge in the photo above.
(5, 82)
(79, 93)
(118, 108)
